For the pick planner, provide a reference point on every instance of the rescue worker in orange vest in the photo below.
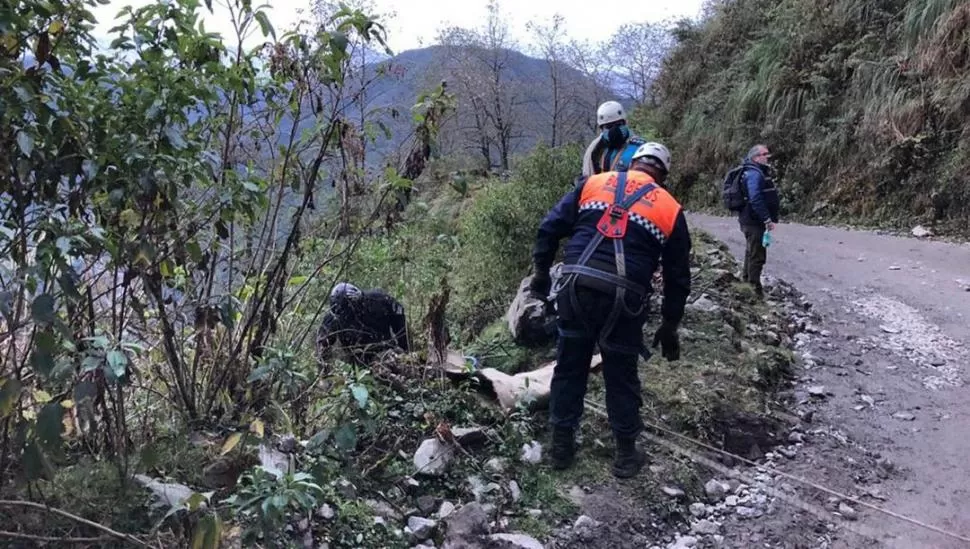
(621, 225)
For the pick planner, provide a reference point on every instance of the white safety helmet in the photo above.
(654, 150)
(344, 289)
(609, 112)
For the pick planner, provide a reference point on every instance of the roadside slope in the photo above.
(893, 315)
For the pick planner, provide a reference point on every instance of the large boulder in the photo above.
(532, 321)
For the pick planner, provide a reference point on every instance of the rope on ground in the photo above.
(795, 501)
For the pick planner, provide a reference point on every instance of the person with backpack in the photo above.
(613, 148)
(750, 190)
(621, 225)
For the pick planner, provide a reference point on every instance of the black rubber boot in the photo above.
(563, 448)
(628, 459)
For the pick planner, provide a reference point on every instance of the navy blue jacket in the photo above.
(644, 251)
(763, 203)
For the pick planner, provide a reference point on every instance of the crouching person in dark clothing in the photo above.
(365, 324)
(621, 225)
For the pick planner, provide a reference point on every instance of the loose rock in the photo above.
(817, 390)
(514, 541)
(446, 509)
(715, 489)
(426, 504)
(325, 512)
(673, 492)
(514, 491)
(731, 501)
(433, 457)
(904, 416)
(698, 509)
(848, 512)
(470, 520)
(532, 453)
(704, 527)
(420, 528)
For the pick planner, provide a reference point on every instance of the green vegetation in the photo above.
(174, 213)
(863, 103)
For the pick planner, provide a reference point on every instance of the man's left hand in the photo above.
(666, 336)
(541, 285)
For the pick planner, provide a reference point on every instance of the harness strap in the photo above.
(622, 284)
(584, 270)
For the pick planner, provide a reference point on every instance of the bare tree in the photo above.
(639, 50)
(479, 60)
(596, 65)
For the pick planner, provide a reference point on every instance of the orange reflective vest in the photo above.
(655, 211)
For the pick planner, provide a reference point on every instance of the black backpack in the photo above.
(732, 190)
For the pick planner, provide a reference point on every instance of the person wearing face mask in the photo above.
(613, 149)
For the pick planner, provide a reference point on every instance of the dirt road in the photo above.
(891, 354)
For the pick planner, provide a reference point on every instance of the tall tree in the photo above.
(639, 50)
(480, 62)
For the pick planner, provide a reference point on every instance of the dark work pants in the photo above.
(755, 254)
(579, 331)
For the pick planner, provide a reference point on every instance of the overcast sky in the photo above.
(415, 22)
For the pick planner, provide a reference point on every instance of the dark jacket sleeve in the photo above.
(557, 225)
(326, 335)
(399, 325)
(676, 269)
(754, 182)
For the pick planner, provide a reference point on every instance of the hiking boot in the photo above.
(563, 448)
(628, 459)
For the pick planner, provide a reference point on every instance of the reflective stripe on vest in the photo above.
(656, 211)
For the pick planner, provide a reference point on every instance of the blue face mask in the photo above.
(616, 136)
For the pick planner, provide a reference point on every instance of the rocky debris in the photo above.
(514, 541)
(426, 504)
(698, 509)
(273, 460)
(704, 304)
(433, 457)
(576, 495)
(673, 492)
(585, 521)
(715, 489)
(704, 527)
(895, 268)
(170, 494)
(817, 390)
(531, 321)
(920, 231)
(731, 501)
(480, 489)
(467, 436)
(326, 512)
(384, 510)
(497, 465)
(514, 491)
(745, 512)
(532, 453)
(683, 542)
(904, 416)
(470, 519)
(420, 529)
(848, 512)
(446, 509)
(346, 489)
(795, 437)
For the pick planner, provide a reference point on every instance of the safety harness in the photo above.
(612, 225)
(622, 159)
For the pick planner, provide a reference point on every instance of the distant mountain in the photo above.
(412, 72)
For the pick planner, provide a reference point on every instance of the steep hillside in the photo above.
(864, 104)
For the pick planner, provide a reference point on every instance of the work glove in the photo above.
(666, 336)
(541, 284)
